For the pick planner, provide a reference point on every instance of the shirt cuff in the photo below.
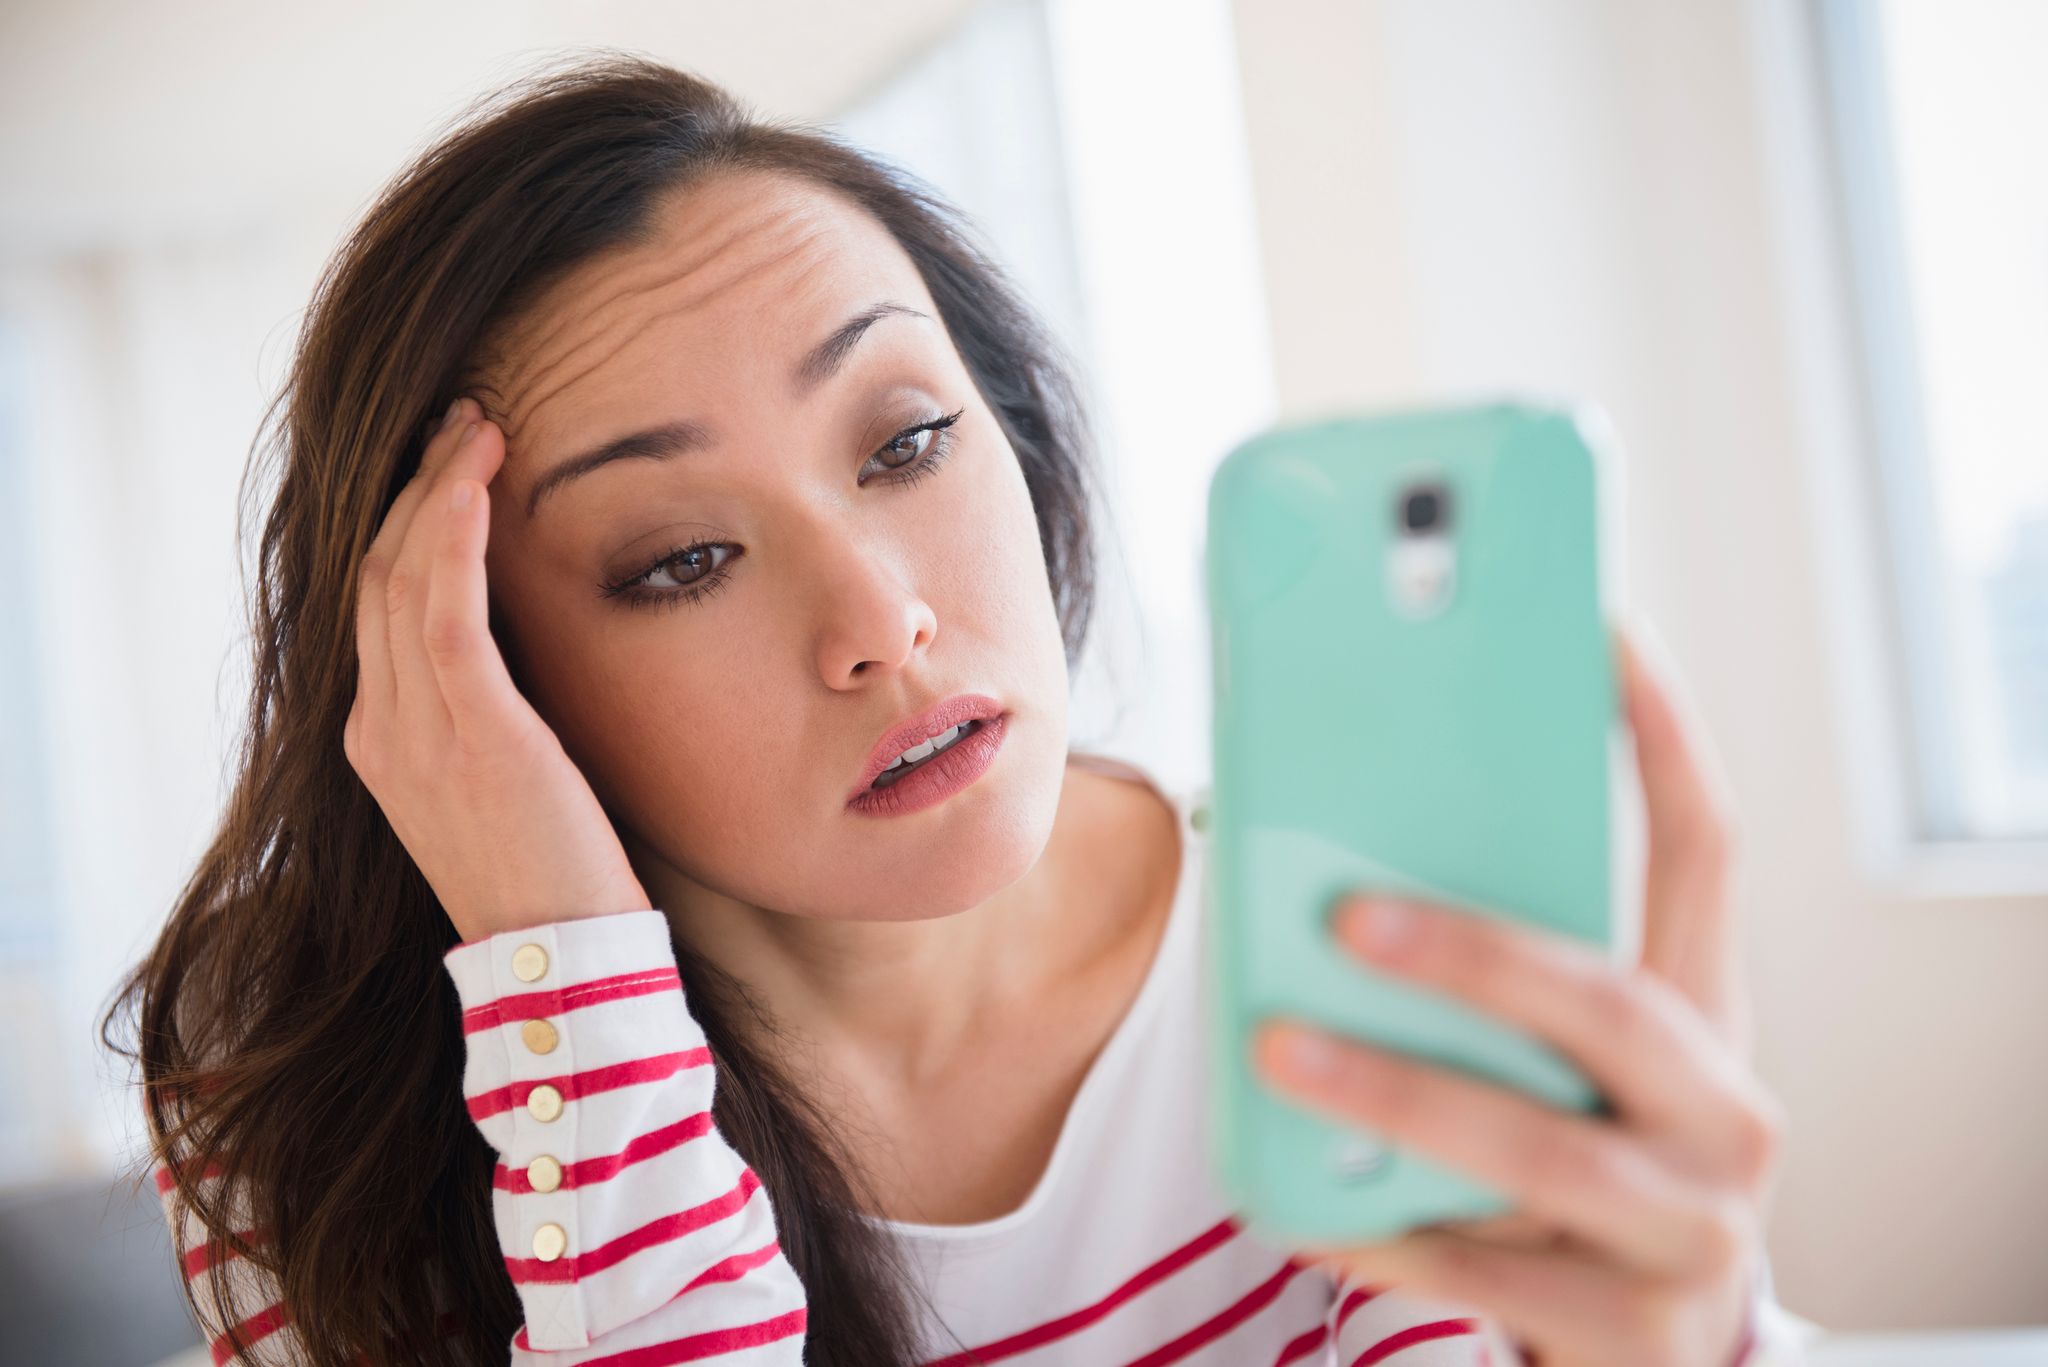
(614, 1193)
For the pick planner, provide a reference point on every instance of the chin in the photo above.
(959, 877)
(994, 838)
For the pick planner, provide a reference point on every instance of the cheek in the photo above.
(646, 713)
(671, 741)
(989, 562)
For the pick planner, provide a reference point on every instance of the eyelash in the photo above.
(633, 595)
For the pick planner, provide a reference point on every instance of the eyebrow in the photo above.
(817, 365)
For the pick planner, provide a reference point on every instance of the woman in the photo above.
(773, 478)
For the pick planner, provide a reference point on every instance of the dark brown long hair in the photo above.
(294, 1024)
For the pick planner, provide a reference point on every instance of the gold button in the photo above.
(1199, 818)
(544, 1102)
(529, 962)
(544, 1174)
(540, 1036)
(549, 1241)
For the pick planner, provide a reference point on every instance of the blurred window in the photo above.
(28, 930)
(976, 116)
(1939, 115)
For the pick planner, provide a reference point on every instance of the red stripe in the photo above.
(1222, 1232)
(255, 1329)
(1302, 1345)
(554, 1001)
(165, 1183)
(733, 1268)
(591, 1080)
(727, 1270)
(1352, 1302)
(532, 1270)
(589, 1170)
(198, 1259)
(1412, 1335)
(1216, 1326)
(707, 1345)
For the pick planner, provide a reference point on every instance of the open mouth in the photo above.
(940, 744)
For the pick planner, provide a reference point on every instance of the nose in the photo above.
(873, 624)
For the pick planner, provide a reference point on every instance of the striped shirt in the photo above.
(636, 1236)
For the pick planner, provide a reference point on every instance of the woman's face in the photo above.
(846, 584)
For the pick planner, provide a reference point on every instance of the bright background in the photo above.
(1799, 252)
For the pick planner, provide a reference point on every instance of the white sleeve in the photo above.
(625, 1218)
(651, 1239)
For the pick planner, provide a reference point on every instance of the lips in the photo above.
(954, 711)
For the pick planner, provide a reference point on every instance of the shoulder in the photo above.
(1129, 845)
(1132, 812)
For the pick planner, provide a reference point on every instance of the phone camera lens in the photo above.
(1424, 508)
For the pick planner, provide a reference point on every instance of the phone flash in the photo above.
(1421, 574)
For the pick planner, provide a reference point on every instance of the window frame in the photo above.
(1902, 733)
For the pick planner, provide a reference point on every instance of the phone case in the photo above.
(1465, 755)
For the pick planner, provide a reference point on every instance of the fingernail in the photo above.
(1380, 925)
(454, 412)
(464, 490)
(467, 433)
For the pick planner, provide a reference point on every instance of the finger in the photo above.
(376, 684)
(457, 635)
(1648, 1050)
(419, 684)
(427, 483)
(1556, 1298)
(377, 679)
(1589, 1177)
(439, 445)
(1515, 1230)
(1688, 923)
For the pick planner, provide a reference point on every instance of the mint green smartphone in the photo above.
(1414, 691)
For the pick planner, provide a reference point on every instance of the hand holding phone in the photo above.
(1413, 695)
(1419, 696)
(1638, 1234)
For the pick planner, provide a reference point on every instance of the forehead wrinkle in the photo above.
(694, 294)
(652, 264)
(531, 374)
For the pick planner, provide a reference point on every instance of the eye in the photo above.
(696, 574)
(933, 451)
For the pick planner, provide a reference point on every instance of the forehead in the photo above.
(744, 273)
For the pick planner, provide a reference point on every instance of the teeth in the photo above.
(925, 748)
(900, 765)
